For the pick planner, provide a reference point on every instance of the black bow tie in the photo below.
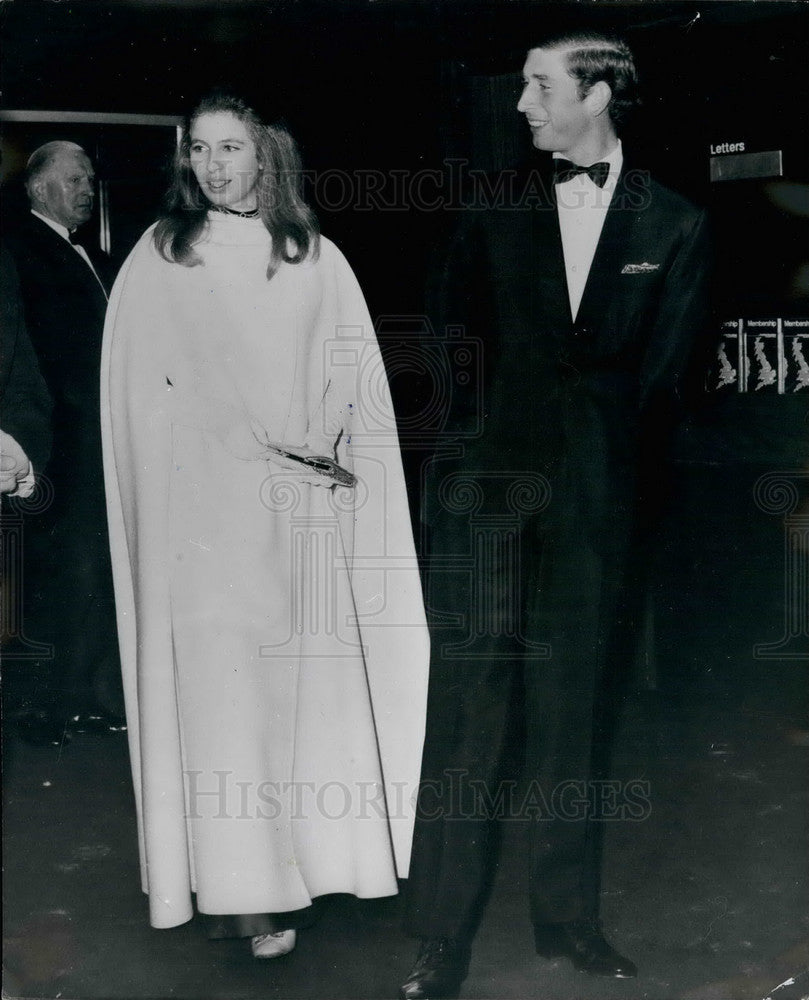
(564, 170)
(74, 237)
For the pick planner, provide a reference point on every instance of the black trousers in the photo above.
(540, 599)
(69, 604)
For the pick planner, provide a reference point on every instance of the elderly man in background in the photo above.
(69, 600)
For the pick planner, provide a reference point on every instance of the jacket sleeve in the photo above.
(26, 402)
(681, 336)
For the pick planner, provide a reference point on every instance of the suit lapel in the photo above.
(611, 247)
(552, 302)
(101, 268)
(63, 251)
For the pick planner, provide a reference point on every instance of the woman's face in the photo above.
(223, 158)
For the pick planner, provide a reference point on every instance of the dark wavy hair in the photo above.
(288, 219)
(593, 56)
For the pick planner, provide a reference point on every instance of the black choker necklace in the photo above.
(253, 214)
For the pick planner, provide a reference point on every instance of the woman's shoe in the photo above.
(272, 945)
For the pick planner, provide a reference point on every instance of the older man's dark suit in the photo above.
(578, 403)
(25, 404)
(71, 602)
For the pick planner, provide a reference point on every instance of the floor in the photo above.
(706, 891)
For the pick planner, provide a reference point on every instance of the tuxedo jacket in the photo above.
(25, 404)
(578, 403)
(65, 307)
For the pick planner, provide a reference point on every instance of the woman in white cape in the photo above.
(270, 615)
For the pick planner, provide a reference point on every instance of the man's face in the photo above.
(66, 190)
(558, 118)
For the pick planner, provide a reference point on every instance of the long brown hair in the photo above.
(287, 218)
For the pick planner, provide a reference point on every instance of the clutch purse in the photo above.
(321, 465)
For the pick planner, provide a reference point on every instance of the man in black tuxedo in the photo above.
(588, 286)
(64, 289)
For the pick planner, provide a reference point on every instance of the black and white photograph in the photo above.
(404, 499)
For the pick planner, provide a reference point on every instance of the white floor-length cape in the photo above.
(272, 632)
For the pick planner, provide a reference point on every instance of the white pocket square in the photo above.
(644, 268)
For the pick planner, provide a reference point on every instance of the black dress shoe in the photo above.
(41, 729)
(441, 966)
(583, 943)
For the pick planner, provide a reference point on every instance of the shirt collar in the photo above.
(57, 227)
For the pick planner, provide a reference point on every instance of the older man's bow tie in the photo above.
(75, 238)
(564, 170)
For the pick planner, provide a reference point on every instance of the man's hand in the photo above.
(14, 464)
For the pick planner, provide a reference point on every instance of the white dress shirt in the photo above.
(582, 207)
(64, 232)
